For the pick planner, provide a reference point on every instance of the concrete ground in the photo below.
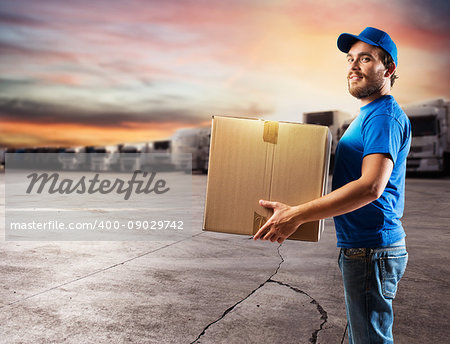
(216, 288)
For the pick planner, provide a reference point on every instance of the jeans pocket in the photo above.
(392, 269)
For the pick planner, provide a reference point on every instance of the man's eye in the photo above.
(365, 59)
(349, 60)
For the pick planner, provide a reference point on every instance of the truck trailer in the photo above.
(194, 141)
(430, 145)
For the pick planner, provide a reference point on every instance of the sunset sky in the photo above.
(94, 72)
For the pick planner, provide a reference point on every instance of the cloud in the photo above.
(48, 55)
(142, 63)
(27, 111)
(426, 15)
(9, 18)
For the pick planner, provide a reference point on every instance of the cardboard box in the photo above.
(253, 159)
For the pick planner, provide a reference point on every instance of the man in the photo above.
(368, 191)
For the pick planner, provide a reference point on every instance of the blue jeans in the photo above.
(370, 280)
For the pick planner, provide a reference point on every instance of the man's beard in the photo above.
(372, 86)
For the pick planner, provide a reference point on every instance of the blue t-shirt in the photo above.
(381, 127)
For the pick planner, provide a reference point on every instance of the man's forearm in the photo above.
(351, 196)
(376, 170)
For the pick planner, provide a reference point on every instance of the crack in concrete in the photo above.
(323, 313)
(239, 302)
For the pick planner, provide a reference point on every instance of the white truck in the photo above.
(161, 157)
(334, 120)
(191, 140)
(74, 158)
(430, 145)
(130, 158)
(103, 158)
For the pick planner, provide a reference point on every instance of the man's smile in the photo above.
(355, 77)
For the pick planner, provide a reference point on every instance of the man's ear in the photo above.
(390, 70)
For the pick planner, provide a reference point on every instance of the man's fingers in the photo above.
(274, 238)
(261, 231)
(281, 239)
(267, 204)
(265, 229)
(269, 235)
(268, 231)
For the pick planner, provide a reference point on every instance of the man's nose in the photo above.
(354, 65)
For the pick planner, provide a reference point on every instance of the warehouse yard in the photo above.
(216, 288)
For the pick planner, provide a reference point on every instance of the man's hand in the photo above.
(281, 224)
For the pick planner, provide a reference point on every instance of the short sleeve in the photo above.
(382, 134)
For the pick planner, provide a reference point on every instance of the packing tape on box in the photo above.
(270, 132)
(258, 221)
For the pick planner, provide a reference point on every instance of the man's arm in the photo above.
(375, 172)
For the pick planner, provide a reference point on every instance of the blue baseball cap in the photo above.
(372, 36)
